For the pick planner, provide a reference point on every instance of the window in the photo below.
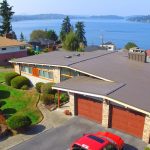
(3, 49)
(68, 73)
(26, 69)
(46, 74)
(22, 47)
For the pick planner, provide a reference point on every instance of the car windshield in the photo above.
(77, 147)
(99, 140)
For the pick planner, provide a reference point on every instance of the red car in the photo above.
(98, 141)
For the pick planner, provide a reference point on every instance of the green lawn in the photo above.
(16, 101)
(2, 76)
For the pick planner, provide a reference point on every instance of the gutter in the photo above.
(104, 97)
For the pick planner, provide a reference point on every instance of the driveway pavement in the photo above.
(61, 137)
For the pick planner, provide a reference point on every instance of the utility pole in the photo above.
(102, 39)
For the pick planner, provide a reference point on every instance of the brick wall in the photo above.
(4, 58)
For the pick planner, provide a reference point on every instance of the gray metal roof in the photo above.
(60, 58)
(113, 66)
(89, 85)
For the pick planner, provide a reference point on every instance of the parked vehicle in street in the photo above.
(98, 141)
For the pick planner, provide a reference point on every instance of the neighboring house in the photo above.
(10, 49)
(92, 48)
(103, 86)
(108, 46)
(42, 44)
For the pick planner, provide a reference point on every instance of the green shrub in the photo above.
(47, 98)
(24, 87)
(47, 89)
(9, 77)
(147, 148)
(38, 86)
(19, 122)
(19, 82)
(64, 97)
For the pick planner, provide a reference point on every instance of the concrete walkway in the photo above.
(51, 120)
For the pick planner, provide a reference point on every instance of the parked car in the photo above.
(98, 141)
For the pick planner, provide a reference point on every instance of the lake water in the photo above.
(117, 31)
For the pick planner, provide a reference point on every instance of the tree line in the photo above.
(71, 39)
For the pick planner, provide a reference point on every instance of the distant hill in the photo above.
(60, 16)
(144, 19)
(107, 17)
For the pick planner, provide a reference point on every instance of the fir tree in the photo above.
(80, 33)
(65, 29)
(6, 13)
(22, 37)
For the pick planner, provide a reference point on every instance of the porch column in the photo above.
(59, 98)
(71, 103)
(105, 113)
(146, 131)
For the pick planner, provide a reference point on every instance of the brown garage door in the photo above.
(89, 108)
(128, 121)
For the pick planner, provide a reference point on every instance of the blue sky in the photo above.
(82, 7)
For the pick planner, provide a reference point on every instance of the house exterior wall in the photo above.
(105, 114)
(34, 79)
(72, 103)
(17, 68)
(146, 132)
(5, 57)
(57, 75)
(10, 49)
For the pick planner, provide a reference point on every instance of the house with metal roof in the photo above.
(10, 49)
(103, 86)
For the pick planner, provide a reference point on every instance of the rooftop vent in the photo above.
(77, 54)
(68, 56)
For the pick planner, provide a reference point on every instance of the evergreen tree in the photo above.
(22, 37)
(51, 34)
(65, 29)
(14, 36)
(6, 13)
(80, 33)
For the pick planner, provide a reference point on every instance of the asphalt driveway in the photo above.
(60, 138)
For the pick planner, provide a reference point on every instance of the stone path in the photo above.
(50, 120)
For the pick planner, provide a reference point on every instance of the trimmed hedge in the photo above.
(64, 97)
(47, 99)
(19, 122)
(20, 81)
(47, 89)
(38, 86)
(9, 77)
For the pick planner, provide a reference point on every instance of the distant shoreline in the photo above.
(138, 18)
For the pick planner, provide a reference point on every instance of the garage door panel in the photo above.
(127, 121)
(89, 108)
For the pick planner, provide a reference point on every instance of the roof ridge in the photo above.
(91, 58)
